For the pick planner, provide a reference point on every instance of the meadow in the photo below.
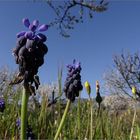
(83, 121)
(27, 111)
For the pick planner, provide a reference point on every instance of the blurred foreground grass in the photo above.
(45, 120)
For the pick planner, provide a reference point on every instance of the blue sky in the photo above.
(93, 43)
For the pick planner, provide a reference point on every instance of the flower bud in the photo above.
(88, 88)
(97, 86)
(134, 90)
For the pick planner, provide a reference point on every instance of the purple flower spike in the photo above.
(73, 83)
(43, 28)
(26, 22)
(36, 23)
(32, 27)
(22, 33)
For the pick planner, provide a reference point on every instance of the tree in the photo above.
(125, 75)
(66, 17)
(6, 77)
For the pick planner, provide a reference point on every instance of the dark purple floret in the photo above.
(2, 105)
(22, 33)
(43, 28)
(41, 37)
(26, 22)
(18, 123)
(33, 28)
(73, 84)
(36, 23)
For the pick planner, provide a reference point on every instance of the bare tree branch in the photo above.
(66, 18)
(125, 75)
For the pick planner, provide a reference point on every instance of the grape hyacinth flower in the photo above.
(29, 52)
(72, 87)
(73, 84)
(29, 55)
(2, 105)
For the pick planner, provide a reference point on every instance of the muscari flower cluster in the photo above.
(29, 51)
(2, 105)
(29, 133)
(73, 84)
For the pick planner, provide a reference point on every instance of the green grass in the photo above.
(81, 120)
(45, 122)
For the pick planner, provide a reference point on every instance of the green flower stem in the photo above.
(91, 118)
(88, 123)
(25, 96)
(60, 70)
(62, 120)
(78, 119)
(133, 123)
